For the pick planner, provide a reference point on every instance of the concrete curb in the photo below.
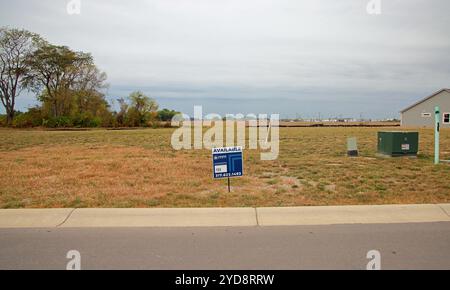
(170, 217)
(445, 208)
(223, 217)
(33, 218)
(365, 214)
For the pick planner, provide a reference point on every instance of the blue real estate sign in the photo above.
(227, 162)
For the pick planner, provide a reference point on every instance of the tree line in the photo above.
(68, 85)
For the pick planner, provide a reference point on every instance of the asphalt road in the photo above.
(402, 246)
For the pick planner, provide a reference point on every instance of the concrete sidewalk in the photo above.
(223, 217)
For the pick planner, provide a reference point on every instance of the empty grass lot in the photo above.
(138, 168)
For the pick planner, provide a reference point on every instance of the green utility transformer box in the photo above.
(398, 143)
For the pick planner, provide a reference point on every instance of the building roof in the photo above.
(425, 99)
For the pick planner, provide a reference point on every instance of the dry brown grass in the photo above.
(340, 124)
(139, 169)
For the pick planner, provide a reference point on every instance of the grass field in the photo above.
(138, 168)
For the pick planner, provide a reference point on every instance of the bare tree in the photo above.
(16, 47)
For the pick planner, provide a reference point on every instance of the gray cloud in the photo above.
(294, 56)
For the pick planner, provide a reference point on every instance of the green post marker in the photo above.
(437, 113)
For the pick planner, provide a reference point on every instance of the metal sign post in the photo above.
(437, 113)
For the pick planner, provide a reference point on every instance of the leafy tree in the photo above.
(67, 83)
(166, 115)
(64, 75)
(16, 48)
(142, 109)
(87, 95)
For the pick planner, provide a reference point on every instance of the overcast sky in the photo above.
(282, 56)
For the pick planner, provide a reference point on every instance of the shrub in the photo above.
(166, 115)
(2, 120)
(153, 124)
(167, 125)
(58, 122)
(32, 118)
(22, 121)
(86, 120)
(107, 119)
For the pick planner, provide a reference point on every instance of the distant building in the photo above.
(421, 113)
